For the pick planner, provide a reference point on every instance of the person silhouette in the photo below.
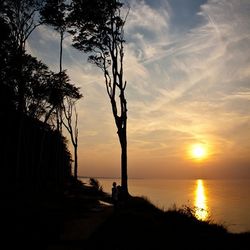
(114, 194)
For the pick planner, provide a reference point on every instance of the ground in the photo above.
(84, 218)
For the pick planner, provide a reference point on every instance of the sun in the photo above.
(198, 151)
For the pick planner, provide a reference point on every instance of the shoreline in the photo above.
(77, 219)
(227, 203)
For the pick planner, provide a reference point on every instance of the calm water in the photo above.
(224, 201)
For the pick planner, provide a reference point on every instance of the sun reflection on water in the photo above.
(201, 211)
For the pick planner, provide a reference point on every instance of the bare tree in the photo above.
(71, 115)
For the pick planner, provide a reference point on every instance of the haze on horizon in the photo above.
(187, 64)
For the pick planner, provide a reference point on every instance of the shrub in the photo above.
(95, 184)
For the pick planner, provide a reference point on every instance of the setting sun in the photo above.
(198, 151)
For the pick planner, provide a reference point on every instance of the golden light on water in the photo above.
(201, 211)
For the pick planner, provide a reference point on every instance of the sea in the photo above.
(225, 202)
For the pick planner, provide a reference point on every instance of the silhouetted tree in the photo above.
(22, 18)
(34, 153)
(99, 31)
(54, 13)
(70, 124)
(34, 73)
(59, 89)
(7, 95)
(37, 77)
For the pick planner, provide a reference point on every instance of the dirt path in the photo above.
(77, 230)
(81, 228)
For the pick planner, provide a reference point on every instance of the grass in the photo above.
(138, 224)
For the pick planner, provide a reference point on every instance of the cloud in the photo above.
(183, 88)
(203, 83)
(143, 17)
(147, 29)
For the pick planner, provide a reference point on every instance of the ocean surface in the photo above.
(225, 202)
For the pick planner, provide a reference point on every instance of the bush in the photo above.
(95, 184)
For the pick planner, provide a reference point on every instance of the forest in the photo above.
(38, 105)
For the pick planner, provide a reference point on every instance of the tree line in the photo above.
(30, 87)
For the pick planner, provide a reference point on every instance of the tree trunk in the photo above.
(59, 108)
(60, 56)
(76, 162)
(124, 165)
(121, 124)
(124, 177)
(48, 114)
(20, 81)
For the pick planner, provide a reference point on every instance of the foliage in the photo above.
(98, 29)
(54, 13)
(34, 153)
(7, 96)
(95, 184)
(42, 89)
(60, 88)
(22, 16)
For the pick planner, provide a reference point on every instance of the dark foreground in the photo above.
(79, 219)
(140, 225)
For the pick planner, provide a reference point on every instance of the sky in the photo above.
(187, 66)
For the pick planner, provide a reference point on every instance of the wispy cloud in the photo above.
(182, 87)
(203, 84)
